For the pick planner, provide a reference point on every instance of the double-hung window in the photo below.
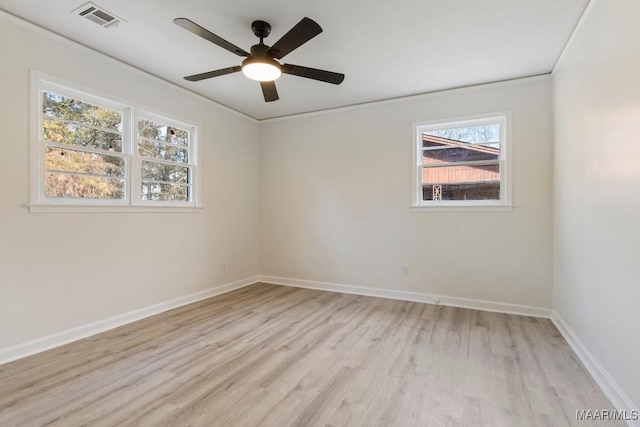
(462, 163)
(165, 153)
(94, 151)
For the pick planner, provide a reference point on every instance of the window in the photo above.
(82, 147)
(165, 167)
(462, 163)
(87, 153)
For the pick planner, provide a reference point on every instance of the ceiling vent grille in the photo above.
(98, 15)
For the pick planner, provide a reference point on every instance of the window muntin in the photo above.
(462, 163)
(85, 153)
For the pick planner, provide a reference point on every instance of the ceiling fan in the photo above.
(262, 63)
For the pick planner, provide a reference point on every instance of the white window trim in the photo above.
(132, 202)
(502, 205)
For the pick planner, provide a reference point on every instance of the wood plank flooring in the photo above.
(271, 355)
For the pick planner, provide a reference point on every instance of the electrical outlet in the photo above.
(224, 266)
(405, 271)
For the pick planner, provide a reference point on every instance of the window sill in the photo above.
(38, 209)
(462, 208)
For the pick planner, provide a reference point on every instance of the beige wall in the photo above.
(597, 189)
(60, 271)
(336, 189)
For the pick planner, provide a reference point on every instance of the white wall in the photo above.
(59, 271)
(336, 189)
(597, 189)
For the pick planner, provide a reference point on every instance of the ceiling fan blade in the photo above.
(269, 91)
(215, 73)
(313, 73)
(196, 29)
(301, 33)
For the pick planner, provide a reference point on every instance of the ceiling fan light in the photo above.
(261, 71)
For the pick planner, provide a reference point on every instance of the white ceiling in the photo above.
(386, 49)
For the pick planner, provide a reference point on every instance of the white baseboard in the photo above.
(45, 343)
(608, 385)
(476, 304)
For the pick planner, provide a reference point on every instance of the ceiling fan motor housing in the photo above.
(259, 54)
(260, 50)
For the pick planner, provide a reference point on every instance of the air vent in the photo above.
(97, 14)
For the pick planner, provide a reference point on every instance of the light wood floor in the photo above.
(277, 356)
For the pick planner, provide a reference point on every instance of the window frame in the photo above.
(132, 202)
(504, 161)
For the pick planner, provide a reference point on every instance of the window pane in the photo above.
(57, 159)
(486, 134)
(152, 171)
(55, 106)
(451, 174)
(157, 150)
(87, 187)
(462, 160)
(161, 132)
(478, 191)
(75, 134)
(164, 192)
(460, 154)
